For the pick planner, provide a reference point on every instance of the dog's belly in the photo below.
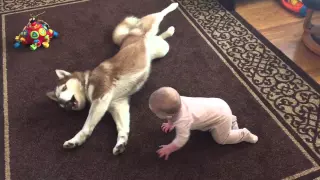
(130, 84)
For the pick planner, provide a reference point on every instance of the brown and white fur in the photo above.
(109, 86)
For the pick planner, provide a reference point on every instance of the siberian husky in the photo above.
(108, 87)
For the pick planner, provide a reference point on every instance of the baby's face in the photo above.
(160, 115)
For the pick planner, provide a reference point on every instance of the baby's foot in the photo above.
(249, 137)
(234, 125)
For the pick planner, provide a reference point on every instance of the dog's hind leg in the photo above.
(121, 114)
(170, 8)
(168, 33)
(148, 25)
(158, 46)
(151, 22)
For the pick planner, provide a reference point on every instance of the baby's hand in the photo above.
(166, 150)
(167, 127)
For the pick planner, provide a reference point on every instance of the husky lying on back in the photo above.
(109, 86)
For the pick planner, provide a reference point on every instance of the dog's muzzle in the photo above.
(68, 105)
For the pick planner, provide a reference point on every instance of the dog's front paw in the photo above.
(118, 149)
(69, 144)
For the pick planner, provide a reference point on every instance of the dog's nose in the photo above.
(70, 103)
(68, 106)
(73, 99)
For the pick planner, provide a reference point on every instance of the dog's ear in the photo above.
(62, 73)
(52, 95)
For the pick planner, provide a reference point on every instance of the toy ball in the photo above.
(36, 33)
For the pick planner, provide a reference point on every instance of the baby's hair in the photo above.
(166, 99)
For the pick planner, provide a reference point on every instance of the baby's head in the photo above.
(165, 102)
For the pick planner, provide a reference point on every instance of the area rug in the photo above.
(214, 53)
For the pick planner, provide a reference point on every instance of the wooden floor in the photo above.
(283, 29)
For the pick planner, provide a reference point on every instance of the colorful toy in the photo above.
(36, 33)
(295, 6)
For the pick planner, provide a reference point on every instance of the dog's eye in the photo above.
(64, 88)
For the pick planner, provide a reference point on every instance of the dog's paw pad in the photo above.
(119, 149)
(69, 145)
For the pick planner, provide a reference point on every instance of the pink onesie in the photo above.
(207, 114)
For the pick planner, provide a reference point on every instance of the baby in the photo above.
(195, 113)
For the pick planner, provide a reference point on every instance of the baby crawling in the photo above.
(195, 113)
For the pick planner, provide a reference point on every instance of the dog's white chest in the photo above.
(129, 84)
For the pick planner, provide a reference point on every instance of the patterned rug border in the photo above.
(285, 60)
(2, 171)
(43, 7)
(304, 76)
(277, 51)
(29, 7)
(308, 79)
(316, 174)
(299, 71)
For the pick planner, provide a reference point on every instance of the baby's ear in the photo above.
(52, 95)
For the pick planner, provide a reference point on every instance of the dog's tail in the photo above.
(128, 26)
